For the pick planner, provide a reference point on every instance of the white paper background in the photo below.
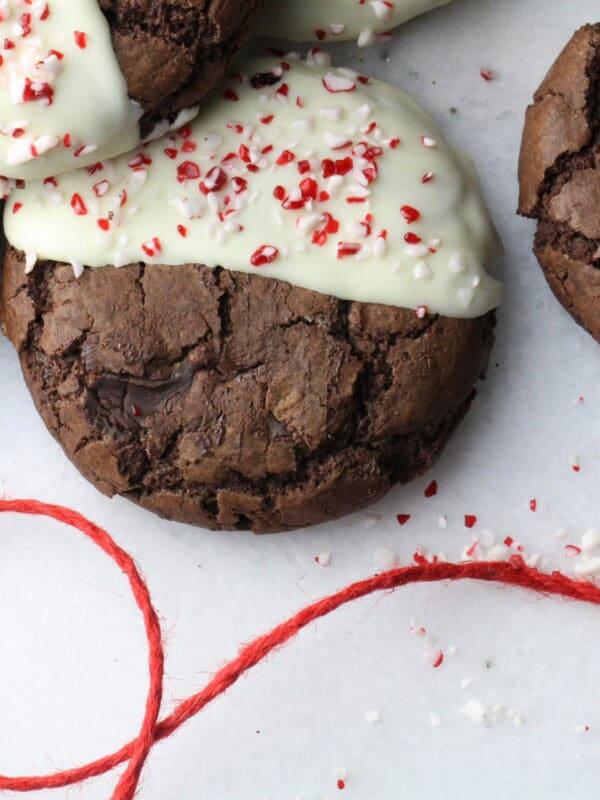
(72, 653)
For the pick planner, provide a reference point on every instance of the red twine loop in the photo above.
(514, 573)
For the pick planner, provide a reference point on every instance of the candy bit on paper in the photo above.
(431, 490)
(341, 775)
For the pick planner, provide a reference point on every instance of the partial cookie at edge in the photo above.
(271, 408)
(173, 53)
(559, 176)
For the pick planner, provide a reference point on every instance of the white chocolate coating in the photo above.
(63, 99)
(338, 20)
(317, 177)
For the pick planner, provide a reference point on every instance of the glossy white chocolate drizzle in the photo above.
(338, 20)
(301, 172)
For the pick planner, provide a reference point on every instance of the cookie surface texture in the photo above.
(233, 401)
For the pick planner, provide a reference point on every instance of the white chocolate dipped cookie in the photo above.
(315, 176)
(298, 310)
(82, 80)
(338, 20)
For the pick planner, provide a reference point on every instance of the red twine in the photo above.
(514, 573)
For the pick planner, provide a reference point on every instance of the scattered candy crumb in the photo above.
(431, 490)
(373, 717)
(386, 558)
(341, 776)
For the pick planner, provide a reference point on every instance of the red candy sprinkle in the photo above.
(80, 39)
(346, 249)
(216, 178)
(285, 158)
(403, 518)
(470, 520)
(410, 214)
(25, 25)
(439, 660)
(78, 206)
(187, 171)
(39, 90)
(265, 254)
(431, 490)
(152, 247)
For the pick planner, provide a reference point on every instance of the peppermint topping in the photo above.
(313, 175)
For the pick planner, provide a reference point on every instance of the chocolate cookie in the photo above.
(173, 52)
(236, 401)
(84, 80)
(559, 176)
(333, 355)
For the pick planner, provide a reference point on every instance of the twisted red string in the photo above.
(514, 573)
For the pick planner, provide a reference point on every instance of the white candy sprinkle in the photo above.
(78, 269)
(30, 262)
(477, 712)
(590, 541)
(458, 264)
(422, 271)
(386, 558)
(373, 717)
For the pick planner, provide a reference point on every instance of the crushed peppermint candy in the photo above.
(46, 45)
(297, 178)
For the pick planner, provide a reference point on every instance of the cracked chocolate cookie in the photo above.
(235, 401)
(559, 176)
(84, 80)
